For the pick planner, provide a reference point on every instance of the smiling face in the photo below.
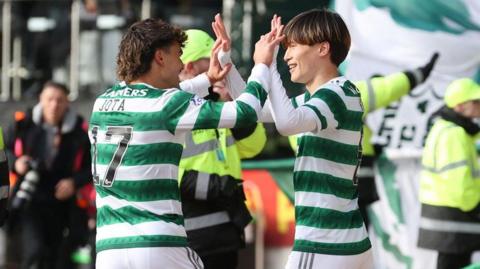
(317, 41)
(302, 62)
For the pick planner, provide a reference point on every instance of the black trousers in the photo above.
(453, 260)
(222, 260)
(42, 233)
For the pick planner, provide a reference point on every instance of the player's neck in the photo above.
(152, 80)
(321, 77)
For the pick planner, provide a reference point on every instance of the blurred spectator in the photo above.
(4, 181)
(102, 24)
(450, 179)
(48, 149)
(42, 25)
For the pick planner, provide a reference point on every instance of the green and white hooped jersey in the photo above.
(328, 220)
(137, 134)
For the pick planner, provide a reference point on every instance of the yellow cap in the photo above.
(198, 45)
(461, 91)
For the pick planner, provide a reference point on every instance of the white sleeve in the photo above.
(202, 114)
(289, 120)
(198, 85)
(234, 82)
(266, 113)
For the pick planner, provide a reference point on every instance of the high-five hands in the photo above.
(275, 25)
(221, 33)
(265, 49)
(266, 46)
(215, 71)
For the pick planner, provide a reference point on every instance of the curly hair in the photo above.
(139, 44)
(320, 25)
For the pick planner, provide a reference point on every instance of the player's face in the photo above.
(173, 64)
(301, 62)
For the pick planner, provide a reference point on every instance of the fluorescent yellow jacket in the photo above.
(217, 152)
(375, 93)
(450, 175)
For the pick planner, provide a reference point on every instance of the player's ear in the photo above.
(159, 57)
(323, 48)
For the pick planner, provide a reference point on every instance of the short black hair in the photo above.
(57, 85)
(320, 25)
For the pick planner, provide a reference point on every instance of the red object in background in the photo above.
(86, 199)
(279, 211)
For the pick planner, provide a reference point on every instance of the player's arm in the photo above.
(311, 116)
(188, 112)
(192, 112)
(234, 81)
(235, 85)
(198, 85)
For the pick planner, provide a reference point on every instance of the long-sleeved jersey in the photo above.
(329, 124)
(137, 134)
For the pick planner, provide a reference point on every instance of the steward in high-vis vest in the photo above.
(379, 92)
(213, 201)
(450, 179)
(4, 181)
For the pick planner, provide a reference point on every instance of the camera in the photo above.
(27, 187)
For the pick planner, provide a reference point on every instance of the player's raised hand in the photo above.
(215, 71)
(277, 27)
(276, 24)
(221, 33)
(265, 47)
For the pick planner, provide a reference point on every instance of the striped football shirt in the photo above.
(137, 133)
(328, 220)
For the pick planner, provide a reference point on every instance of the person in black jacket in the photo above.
(49, 151)
(4, 181)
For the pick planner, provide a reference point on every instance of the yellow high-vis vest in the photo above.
(451, 174)
(217, 152)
